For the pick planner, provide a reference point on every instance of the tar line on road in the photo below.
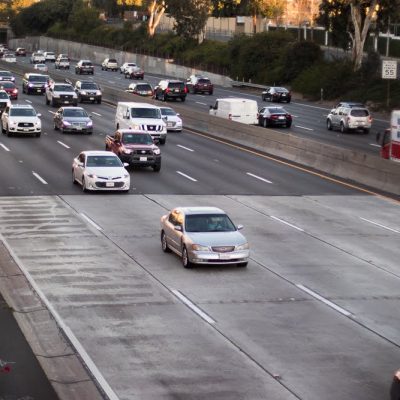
(26, 380)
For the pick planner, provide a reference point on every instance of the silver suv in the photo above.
(348, 117)
(61, 94)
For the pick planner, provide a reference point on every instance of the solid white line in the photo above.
(4, 147)
(183, 147)
(192, 306)
(381, 226)
(199, 102)
(186, 176)
(258, 177)
(374, 144)
(287, 223)
(303, 127)
(99, 228)
(39, 177)
(95, 113)
(111, 82)
(63, 144)
(28, 101)
(63, 326)
(51, 112)
(324, 300)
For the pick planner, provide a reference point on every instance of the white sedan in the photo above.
(41, 67)
(100, 170)
(123, 68)
(172, 119)
(10, 57)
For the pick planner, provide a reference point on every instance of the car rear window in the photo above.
(277, 110)
(176, 85)
(204, 81)
(359, 113)
(143, 87)
(87, 64)
(112, 60)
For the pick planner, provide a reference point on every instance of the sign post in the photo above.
(389, 71)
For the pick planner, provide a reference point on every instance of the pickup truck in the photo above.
(135, 148)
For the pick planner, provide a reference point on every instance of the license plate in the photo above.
(79, 128)
(38, 90)
(91, 98)
(109, 184)
(170, 124)
(66, 102)
(224, 257)
(142, 158)
(26, 129)
(176, 90)
(281, 117)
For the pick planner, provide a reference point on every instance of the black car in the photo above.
(170, 89)
(88, 91)
(274, 116)
(84, 67)
(275, 93)
(34, 83)
(199, 84)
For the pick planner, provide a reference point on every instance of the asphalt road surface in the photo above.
(313, 316)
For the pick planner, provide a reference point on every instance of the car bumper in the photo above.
(90, 98)
(75, 129)
(35, 90)
(158, 135)
(27, 131)
(65, 102)
(99, 185)
(170, 95)
(174, 128)
(206, 257)
(86, 71)
(359, 126)
(137, 160)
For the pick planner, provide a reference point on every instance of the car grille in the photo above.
(66, 97)
(25, 125)
(81, 125)
(223, 249)
(143, 152)
(152, 128)
(116, 185)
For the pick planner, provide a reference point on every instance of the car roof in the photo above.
(3, 70)
(136, 105)
(73, 108)
(200, 210)
(21, 106)
(35, 74)
(98, 153)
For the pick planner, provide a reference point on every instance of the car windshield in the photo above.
(75, 113)
(50, 53)
(143, 87)
(146, 113)
(209, 223)
(37, 78)
(63, 88)
(359, 113)
(276, 110)
(3, 95)
(22, 112)
(89, 86)
(167, 111)
(176, 85)
(40, 65)
(103, 161)
(281, 90)
(138, 138)
(130, 65)
(63, 60)
(5, 73)
(7, 85)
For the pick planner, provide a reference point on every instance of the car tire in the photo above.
(157, 168)
(38, 134)
(185, 259)
(242, 264)
(329, 124)
(263, 98)
(288, 101)
(210, 93)
(265, 123)
(99, 101)
(366, 131)
(288, 125)
(164, 245)
(183, 99)
(75, 104)
(2, 129)
(8, 133)
(53, 103)
(162, 141)
(164, 97)
(342, 128)
(74, 181)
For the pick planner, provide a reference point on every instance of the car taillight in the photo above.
(370, 119)
(274, 116)
(288, 116)
(167, 90)
(15, 91)
(186, 89)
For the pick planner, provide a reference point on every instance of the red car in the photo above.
(10, 88)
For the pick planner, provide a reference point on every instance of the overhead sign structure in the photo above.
(389, 69)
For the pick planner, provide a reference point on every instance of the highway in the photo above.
(313, 316)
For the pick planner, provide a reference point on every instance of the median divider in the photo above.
(361, 168)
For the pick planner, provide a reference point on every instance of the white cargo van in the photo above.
(142, 116)
(236, 109)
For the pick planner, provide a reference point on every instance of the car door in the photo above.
(4, 117)
(80, 167)
(173, 233)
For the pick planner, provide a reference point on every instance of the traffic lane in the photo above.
(260, 310)
(26, 380)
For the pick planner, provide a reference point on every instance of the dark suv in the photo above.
(88, 91)
(199, 84)
(34, 83)
(84, 67)
(170, 89)
(275, 93)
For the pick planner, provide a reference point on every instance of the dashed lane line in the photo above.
(183, 147)
(199, 102)
(63, 144)
(258, 177)
(91, 222)
(95, 113)
(287, 223)
(186, 176)
(38, 177)
(380, 225)
(304, 127)
(4, 147)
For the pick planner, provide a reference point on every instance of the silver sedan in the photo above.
(203, 235)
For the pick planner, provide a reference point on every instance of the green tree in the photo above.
(82, 18)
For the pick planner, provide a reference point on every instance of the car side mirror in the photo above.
(240, 227)
(211, 108)
(178, 228)
(178, 115)
(39, 115)
(126, 164)
(90, 116)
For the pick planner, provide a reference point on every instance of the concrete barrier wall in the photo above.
(339, 162)
(97, 54)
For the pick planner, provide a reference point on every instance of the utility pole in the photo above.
(388, 37)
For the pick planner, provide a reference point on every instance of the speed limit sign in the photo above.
(389, 69)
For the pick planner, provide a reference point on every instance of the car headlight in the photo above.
(12, 79)
(127, 151)
(157, 152)
(89, 123)
(93, 176)
(66, 123)
(126, 176)
(98, 93)
(199, 247)
(56, 95)
(135, 127)
(13, 123)
(84, 93)
(244, 246)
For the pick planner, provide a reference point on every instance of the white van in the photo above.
(142, 116)
(236, 109)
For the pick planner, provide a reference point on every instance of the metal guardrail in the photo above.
(248, 84)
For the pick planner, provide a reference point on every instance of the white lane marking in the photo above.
(95, 113)
(183, 147)
(63, 144)
(99, 228)
(186, 176)
(324, 300)
(199, 102)
(37, 176)
(192, 306)
(63, 326)
(287, 223)
(374, 144)
(51, 112)
(381, 226)
(4, 147)
(28, 101)
(303, 127)
(111, 82)
(258, 177)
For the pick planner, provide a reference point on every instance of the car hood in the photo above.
(106, 172)
(65, 93)
(139, 145)
(147, 121)
(217, 238)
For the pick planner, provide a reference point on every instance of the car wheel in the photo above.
(342, 127)
(157, 168)
(2, 129)
(265, 123)
(288, 101)
(83, 185)
(99, 101)
(8, 132)
(242, 264)
(183, 99)
(164, 98)
(38, 134)
(210, 93)
(329, 124)
(75, 104)
(53, 103)
(164, 244)
(74, 182)
(185, 258)
(366, 131)
(263, 98)
(79, 99)
(162, 141)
